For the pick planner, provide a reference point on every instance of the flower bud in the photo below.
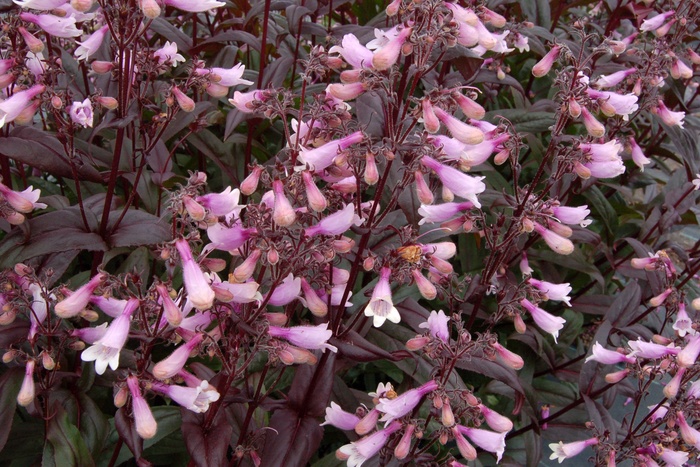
(185, 103)
(120, 397)
(519, 324)
(150, 8)
(27, 390)
(272, 256)
(616, 377)
(246, 269)
(371, 175)
(593, 126)
(417, 343)
(425, 287)
(81, 5)
(316, 200)
(9, 356)
(430, 121)
(109, 103)
(101, 67)
(33, 43)
(574, 108)
(545, 64)
(56, 102)
(250, 184)
(283, 213)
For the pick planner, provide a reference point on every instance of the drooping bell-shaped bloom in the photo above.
(671, 388)
(556, 292)
(689, 355)
(34, 44)
(572, 215)
(323, 156)
(354, 53)
(547, 322)
(225, 76)
(194, 6)
(337, 223)
(486, 440)
(466, 450)
(511, 359)
(191, 398)
(652, 350)
(470, 108)
(673, 458)
(638, 156)
(603, 159)
(78, 300)
(442, 212)
(346, 91)
(437, 325)
(92, 44)
(461, 184)
(146, 425)
(339, 418)
(556, 242)
(683, 324)
(13, 106)
(243, 101)
(608, 81)
(358, 452)
(27, 390)
(385, 57)
(106, 350)
(171, 365)
(221, 204)
(542, 67)
(286, 292)
(405, 403)
(608, 357)
(669, 117)
(199, 292)
(90, 335)
(463, 132)
(229, 238)
(561, 451)
(495, 420)
(185, 102)
(425, 287)
(307, 337)
(593, 126)
(620, 104)
(689, 434)
(661, 298)
(380, 306)
(652, 24)
(167, 55)
(23, 201)
(53, 25)
(81, 113)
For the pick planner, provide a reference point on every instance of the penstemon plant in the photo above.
(349, 233)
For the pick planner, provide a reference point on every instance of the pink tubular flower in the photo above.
(690, 352)
(221, 204)
(673, 458)
(442, 212)
(683, 324)
(358, 452)
(380, 306)
(603, 159)
(608, 357)
(171, 365)
(470, 108)
(27, 390)
(146, 425)
(195, 398)
(198, 289)
(43, 5)
(545, 64)
(336, 223)
(461, 131)
(619, 104)
(23, 201)
(593, 126)
(656, 22)
(572, 215)
(437, 325)
(315, 198)
(368, 422)
(243, 101)
(79, 299)
(90, 45)
(346, 92)
(457, 182)
(524, 265)
(430, 121)
(323, 156)
(194, 6)
(672, 387)
(106, 350)
(387, 55)
(405, 403)
(404, 445)
(669, 117)
(466, 450)
(496, 421)
(286, 292)
(167, 55)
(638, 156)
(608, 81)
(354, 53)
(171, 312)
(312, 301)
(81, 113)
(561, 451)
(644, 349)
(228, 238)
(90, 335)
(307, 337)
(339, 418)
(547, 322)
(425, 287)
(13, 106)
(511, 359)
(556, 292)
(556, 242)
(54, 25)
(689, 434)
(486, 440)
(225, 76)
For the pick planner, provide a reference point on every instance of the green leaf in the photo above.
(602, 208)
(64, 444)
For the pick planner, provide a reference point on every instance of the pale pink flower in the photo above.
(146, 425)
(27, 390)
(486, 440)
(689, 434)
(457, 182)
(638, 156)
(167, 55)
(437, 325)
(225, 76)
(78, 300)
(245, 292)
(106, 350)
(92, 44)
(171, 365)
(306, 337)
(183, 100)
(13, 106)
(222, 204)
(556, 292)
(81, 113)
(673, 458)
(286, 292)
(228, 238)
(661, 298)
(511, 359)
(39, 309)
(195, 398)
(199, 292)
(669, 117)
(347, 91)
(603, 159)
(339, 418)
(315, 198)
(608, 81)
(683, 324)
(150, 8)
(556, 242)
(671, 388)
(496, 421)
(380, 305)
(542, 67)
(561, 451)
(43, 5)
(463, 132)
(243, 100)
(337, 223)
(425, 287)
(593, 126)
(368, 422)
(388, 54)
(521, 43)
(608, 357)
(524, 265)
(194, 6)
(690, 352)
(358, 452)
(22, 201)
(405, 403)
(442, 250)
(644, 349)
(466, 450)
(404, 445)
(90, 335)
(656, 22)
(354, 53)
(54, 25)
(547, 322)
(572, 215)
(442, 212)
(323, 156)
(621, 104)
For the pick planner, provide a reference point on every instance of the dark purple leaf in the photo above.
(127, 432)
(311, 388)
(207, 447)
(626, 306)
(172, 33)
(493, 370)
(10, 383)
(600, 416)
(291, 440)
(355, 347)
(13, 332)
(369, 111)
(138, 228)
